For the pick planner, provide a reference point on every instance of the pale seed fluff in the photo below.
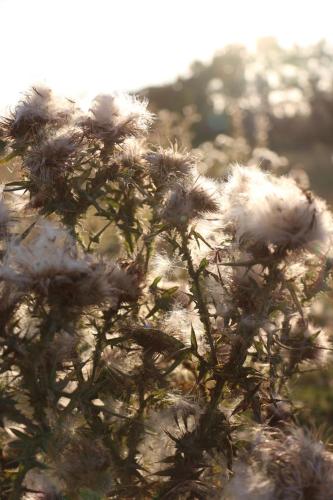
(79, 464)
(162, 265)
(248, 483)
(177, 415)
(264, 210)
(38, 108)
(167, 164)
(167, 268)
(179, 323)
(115, 117)
(130, 153)
(49, 263)
(40, 486)
(299, 465)
(268, 159)
(50, 159)
(284, 465)
(307, 342)
(188, 201)
(125, 362)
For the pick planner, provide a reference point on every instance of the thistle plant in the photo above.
(157, 366)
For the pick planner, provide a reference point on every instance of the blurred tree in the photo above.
(275, 98)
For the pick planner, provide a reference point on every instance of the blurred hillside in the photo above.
(275, 98)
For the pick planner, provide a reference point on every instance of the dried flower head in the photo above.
(176, 417)
(82, 463)
(53, 157)
(121, 361)
(125, 280)
(36, 110)
(306, 342)
(169, 164)
(298, 464)
(265, 210)
(184, 203)
(50, 264)
(115, 117)
(287, 464)
(130, 154)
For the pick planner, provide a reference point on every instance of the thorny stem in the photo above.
(100, 339)
(201, 304)
(239, 355)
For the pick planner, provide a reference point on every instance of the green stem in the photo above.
(201, 304)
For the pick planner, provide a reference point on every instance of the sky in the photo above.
(84, 47)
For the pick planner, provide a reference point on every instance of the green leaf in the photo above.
(19, 433)
(198, 237)
(203, 264)
(182, 355)
(194, 343)
(155, 282)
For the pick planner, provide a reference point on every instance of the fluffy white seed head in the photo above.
(78, 464)
(38, 108)
(53, 157)
(130, 153)
(307, 342)
(298, 464)
(115, 117)
(167, 165)
(179, 323)
(285, 464)
(50, 264)
(188, 201)
(157, 444)
(265, 210)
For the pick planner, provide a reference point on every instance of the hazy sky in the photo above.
(82, 47)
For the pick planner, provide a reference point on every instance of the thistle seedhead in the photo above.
(177, 417)
(127, 277)
(185, 202)
(53, 157)
(115, 117)
(263, 210)
(130, 154)
(306, 342)
(38, 109)
(298, 464)
(287, 464)
(181, 321)
(49, 264)
(167, 165)
(82, 461)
